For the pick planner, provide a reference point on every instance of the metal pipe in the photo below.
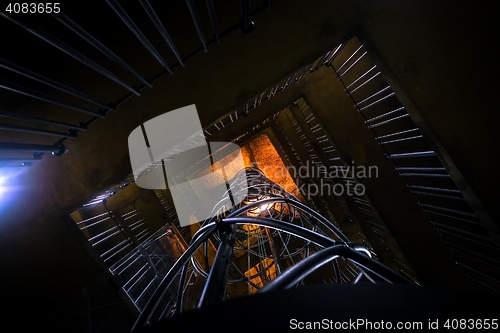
(409, 155)
(359, 200)
(23, 161)
(93, 218)
(130, 214)
(197, 23)
(315, 128)
(70, 51)
(360, 77)
(319, 62)
(161, 28)
(142, 234)
(437, 189)
(94, 202)
(385, 122)
(310, 118)
(94, 223)
(335, 52)
(98, 45)
(367, 211)
(136, 224)
(145, 290)
(465, 235)
(295, 230)
(260, 99)
(420, 169)
(299, 271)
(15, 128)
(108, 233)
(133, 279)
(477, 271)
(129, 261)
(304, 73)
(19, 116)
(474, 254)
(138, 33)
(418, 174)
(127, 244)
(54, 149)
(368, 121)
(401, 139)
(28, 92)
(213, 20)
(246, 24)
(52, 83)
(453, 217)
(138, 277)
(364, 83)
(273, 91)
(482, 283)
(378, 137)
(449, 210)
(274, 253)
(381, 233)
(214, 290)
(202, 235)
(295, 203)
(288, 81)
(348, 59)
(353, 64)
(376, 94)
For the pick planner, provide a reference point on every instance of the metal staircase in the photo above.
(268, 242)
(168, 33)
(468, 235)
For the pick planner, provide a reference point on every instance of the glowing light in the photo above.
(3, 180)
(264, 208)
(261, 209)
(11, 186)
(3, 187)
(93, 202)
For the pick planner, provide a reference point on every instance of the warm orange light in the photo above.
(261, 153)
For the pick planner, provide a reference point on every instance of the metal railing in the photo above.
(72, 109)
(139, 272)
(466, 233)
(270, 241)
(104, 232)
(325, 157)
(252, 104)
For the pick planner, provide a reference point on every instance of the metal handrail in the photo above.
(65, 48)
(222, 229)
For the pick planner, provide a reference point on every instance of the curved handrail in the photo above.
(196, 242)
(329, 250)
(299, 271)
